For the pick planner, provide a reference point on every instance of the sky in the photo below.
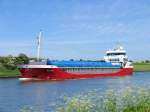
(75, 29)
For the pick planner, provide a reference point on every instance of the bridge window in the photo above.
(113, 54)
(114, 59)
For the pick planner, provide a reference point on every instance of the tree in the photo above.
(22, 59)
(147, 61)
(1, 59)
(9, 62)
(71, 59)
(81, 60)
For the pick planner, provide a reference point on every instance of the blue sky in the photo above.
(75, 28)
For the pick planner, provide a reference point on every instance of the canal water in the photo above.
(16, 96)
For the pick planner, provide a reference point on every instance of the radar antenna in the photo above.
(119, 45)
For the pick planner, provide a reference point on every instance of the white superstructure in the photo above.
(117, 55)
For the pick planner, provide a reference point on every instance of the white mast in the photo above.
(39, 45)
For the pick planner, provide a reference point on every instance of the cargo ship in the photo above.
(115, 63)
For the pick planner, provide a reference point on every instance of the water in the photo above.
(16, 95)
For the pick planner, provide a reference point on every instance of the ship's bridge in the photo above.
(113, 53)
(116, 55)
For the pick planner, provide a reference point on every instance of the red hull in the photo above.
(59, 74)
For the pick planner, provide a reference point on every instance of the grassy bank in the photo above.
(141, 67)
(4, 73)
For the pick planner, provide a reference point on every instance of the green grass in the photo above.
(141, 67)
(8, 73)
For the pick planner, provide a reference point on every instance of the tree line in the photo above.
(10, 62)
